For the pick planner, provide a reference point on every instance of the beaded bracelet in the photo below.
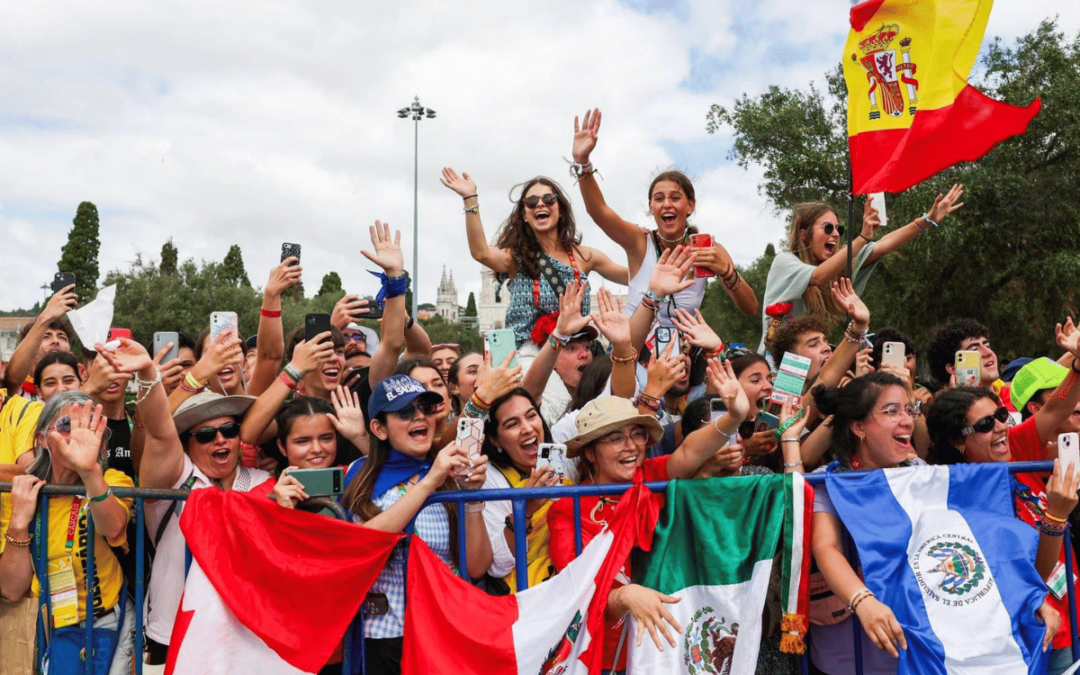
(471, 411)
(472, 209)
(625, 359)
(1051, 531)
(855, 599)
(21, 543)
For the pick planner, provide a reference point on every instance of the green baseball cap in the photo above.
(1034, 377)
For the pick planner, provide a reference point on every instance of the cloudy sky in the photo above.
(258, 122)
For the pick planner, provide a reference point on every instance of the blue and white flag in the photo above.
(942, 548)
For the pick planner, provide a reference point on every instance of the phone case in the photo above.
(315, 324)
(702, 240)
(221, 322)
(1069, 451)
(552, 455)
(321, 482)
(499, 343)
(62, 280)
(290, 251)
(893, 354)
(968, 369)
(162, 338)
(470, 435)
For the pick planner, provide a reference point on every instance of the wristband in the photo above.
(472, 209)
(855, 599)
(922, 230)
(624, 359)
(793, 465)
(474, 507)
(468, 197)
(294, 373)
(926, 217)
(471, 411)
(409, 323)
(1052, 518)
(555, 342)
(284, 377)
(866, 237)
(787, 424)
(102, 497)
(21, 543)
(479, 402)
(391, 287)
(270, 313)
(190, 384)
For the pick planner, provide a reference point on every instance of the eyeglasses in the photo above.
(409, 411)
(828, 228)
(63, 427)
(208, 434)
(986, 424)
(356, 337)
(895, 411)
(639, 436)
(532, 200)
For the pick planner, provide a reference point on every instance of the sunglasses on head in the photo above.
(63, 427)
(208, 434)
(986, 424)
(409, 411)
(532, 200)
(446, 345)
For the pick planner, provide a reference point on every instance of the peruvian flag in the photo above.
(556, 627)
(269, 589)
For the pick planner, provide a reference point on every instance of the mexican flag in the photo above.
(270, 590)
(714, 550)
(553, 628)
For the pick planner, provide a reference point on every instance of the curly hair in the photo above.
(516, 236)
(890, 334)
(946, 419)
(945, 341)
(787, 334)
(819, 301)
(851, 403)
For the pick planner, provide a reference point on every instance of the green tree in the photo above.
(1008, 257)
(232, 268)
(80, 254)
(331, 283)
(470, 307)
(442, 331)
(169, 258)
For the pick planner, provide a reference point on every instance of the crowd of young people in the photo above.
(225, 413)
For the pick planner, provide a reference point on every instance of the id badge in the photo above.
(63, 593)
(1056, 582)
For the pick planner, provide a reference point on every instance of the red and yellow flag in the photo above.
(911, 111)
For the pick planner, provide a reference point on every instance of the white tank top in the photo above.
(688, 299)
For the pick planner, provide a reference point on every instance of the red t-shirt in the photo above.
(594, 512)
(1030, 494)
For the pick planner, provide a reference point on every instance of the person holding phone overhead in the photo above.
(968, 424)
(815, 257)
(538, 249)
(671, 202)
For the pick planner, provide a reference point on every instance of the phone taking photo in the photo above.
(894, 354)
(499, 343)
(221, 322)
(552, 456)
(321, 482)
(968, 367)
(62, 280)
(1069, 451)
(315, 324)
(162, 338)
(290, 251)
(700, 241)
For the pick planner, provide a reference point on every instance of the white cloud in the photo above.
(256, 123)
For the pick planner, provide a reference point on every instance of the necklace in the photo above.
(678, 240)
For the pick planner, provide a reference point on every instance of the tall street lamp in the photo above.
(417, 112)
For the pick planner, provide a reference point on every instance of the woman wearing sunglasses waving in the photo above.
(386, 491)
(816, 256)
(70, 443)
(968, 424)
(537, 244)
(671, 202)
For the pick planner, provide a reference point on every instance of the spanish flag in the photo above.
(911, 111)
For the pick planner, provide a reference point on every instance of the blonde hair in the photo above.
(819, 301)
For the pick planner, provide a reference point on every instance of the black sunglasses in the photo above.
(986, 424)
(208, 434)
(828, 228)
(532, 200)
(409, 411)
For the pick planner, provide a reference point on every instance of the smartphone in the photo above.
(702, 240)
(221, 322)
(968, 369)
(117, 333)
(321, 482)
(62, 280)
(1069, 451)
(766, 421)
(499, 343)
(893, 354)
(470, 435)
(374, 311)
(552, 455)
(315, 324)
(716, 409)
(663, 338)
(162, 338)
(290, 251)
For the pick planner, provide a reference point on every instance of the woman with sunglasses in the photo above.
(70, 444)
(612, 438)
(816, 256)
(969, 424)
(386, 491)
(671, 202)
(538, 241)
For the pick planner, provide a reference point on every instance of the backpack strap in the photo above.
(172, 509)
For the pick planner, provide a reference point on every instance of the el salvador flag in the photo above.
(942, 548)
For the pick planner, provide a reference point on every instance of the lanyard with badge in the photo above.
(63, 589)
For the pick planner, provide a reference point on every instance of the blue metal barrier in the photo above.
(517, 496)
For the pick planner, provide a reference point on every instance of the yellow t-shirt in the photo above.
(18, 418)
(540, 566)
(109, 578)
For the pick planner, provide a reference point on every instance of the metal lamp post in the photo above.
(417, 112)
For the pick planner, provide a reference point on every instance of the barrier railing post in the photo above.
(41, 527)
(140, 574)
(463, 549)
(577, 525)
(88, 613)
(856, 636)
(1070, 587)
(521, 547)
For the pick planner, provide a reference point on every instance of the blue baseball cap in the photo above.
(396, 392)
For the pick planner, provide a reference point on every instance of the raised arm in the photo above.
(943, 206)
(700, 446)
(840, 360)
(1061, 499)
(719, 261)
(21, 362)
(668, 277)
(1062, 402)
(599, 262)
(828, 271)
(222, 352)
(81, 450)
(570, 321)
(417, 341)
(270, 343)
(388, 256)
(496, 259)
(624, 233)
(16, 564)
(613, 324)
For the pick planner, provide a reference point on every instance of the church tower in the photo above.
(446, 304)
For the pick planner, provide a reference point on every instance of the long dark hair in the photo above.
(851, 403)
(495, 454)
(305, 406)
(516, 235)
(452, 377)
(819, 300)
(593, 382)
(946, 420)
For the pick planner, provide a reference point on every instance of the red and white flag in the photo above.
(556, 627)
(270, 590)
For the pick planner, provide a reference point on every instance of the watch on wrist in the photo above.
(409, 323)
(650, 294)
